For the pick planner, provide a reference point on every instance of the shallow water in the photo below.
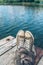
(14, 18)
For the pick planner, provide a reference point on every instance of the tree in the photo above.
(37, 1)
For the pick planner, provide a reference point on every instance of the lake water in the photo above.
(14, 18)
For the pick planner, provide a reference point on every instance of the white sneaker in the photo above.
(20, 39)
(29, 40)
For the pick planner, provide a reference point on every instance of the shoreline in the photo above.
(23, 4)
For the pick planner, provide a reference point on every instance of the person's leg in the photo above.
(24, 57)
(20, 39)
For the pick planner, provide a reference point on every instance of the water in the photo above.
(14, 18)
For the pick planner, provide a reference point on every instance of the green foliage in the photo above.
(1, 0)
(16, 1)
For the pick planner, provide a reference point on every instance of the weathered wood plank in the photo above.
(7, 53)
(6, 40)
(8, 58)
(41, 61)
(4, 48)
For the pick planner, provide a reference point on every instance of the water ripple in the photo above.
(14, 18)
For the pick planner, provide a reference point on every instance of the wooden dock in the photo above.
(8, 48)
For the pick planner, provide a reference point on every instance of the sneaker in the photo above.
(20, 39)
(29, 40)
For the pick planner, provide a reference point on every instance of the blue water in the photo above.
(14, 18)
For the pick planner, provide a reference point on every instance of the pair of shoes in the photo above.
(24, 39)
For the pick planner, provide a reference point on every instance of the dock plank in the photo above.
(6, 40)
(7, 53)
(4, 48)
(8, 58)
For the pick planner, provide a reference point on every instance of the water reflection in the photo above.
(14, 18)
